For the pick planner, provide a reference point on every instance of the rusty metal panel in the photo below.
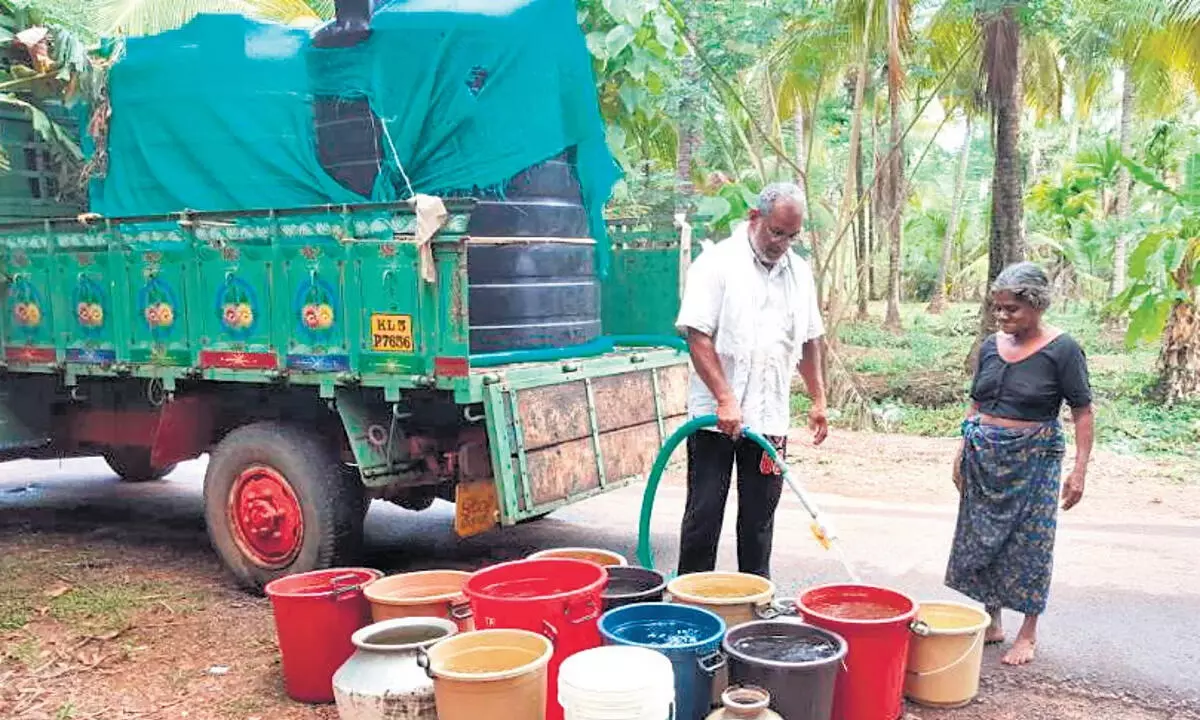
(553, 414)
(671, 425)
(673, 389)
(564, 470)
(630, 452)
(624, 400)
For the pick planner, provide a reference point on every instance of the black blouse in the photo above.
(1034, 388)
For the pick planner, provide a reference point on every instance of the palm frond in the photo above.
(1042, 77)
(292, 12)
(950, 31)
(851, 15)
(147, 17)
(1086, 84)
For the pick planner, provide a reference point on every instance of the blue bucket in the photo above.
(690, 637)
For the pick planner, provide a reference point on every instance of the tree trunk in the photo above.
(1073, 138)
(862, 252)
(938, 304)
(801, 140)
(849, 192)
(689, 135)
(1179, 360)
(1006, 243)
(877, 206)
(1124, 186)
(895, 185)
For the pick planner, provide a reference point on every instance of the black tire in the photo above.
(351, 474)
(132, 464)
(330, 501)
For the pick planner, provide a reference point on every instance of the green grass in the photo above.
(94, 602)
(103, 607)
(26, 651)
(917, 384)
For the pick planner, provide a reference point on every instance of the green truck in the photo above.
(495, 346)
(322, 358)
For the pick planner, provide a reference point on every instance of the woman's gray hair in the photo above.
(1027, 282)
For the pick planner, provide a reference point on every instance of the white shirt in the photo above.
(759, 319)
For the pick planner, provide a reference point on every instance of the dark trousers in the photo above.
(711, 457)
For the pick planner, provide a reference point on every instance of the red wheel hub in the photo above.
(266, 517)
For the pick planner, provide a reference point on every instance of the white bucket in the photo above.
(617, 683)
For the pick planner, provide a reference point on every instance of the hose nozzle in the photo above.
(823, 531)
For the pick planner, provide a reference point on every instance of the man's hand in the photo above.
(729, 418)
(1072, 491)
(818, 422)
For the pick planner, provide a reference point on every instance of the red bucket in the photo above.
(315, 615)
(875, 622)
(558, 598)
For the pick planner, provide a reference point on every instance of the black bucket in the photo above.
(801, 686)
(632, 585)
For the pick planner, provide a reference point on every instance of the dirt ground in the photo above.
(104, 625)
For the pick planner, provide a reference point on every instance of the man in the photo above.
(750, 312)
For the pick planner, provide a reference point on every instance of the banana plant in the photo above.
(1164, 273)
(44, 66)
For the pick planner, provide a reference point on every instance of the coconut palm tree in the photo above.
(1002, 69)
(898, 16)
(876, 26)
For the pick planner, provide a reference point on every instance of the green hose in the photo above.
(644, 553)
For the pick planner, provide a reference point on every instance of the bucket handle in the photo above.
(341, 592)
(592, 613)
(460, 610)
(423, 662)
(712, 662)
(549, 631)
(777, 609)
(970, 651)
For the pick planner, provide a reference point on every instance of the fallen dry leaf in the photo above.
(58, 591)
(111, 634)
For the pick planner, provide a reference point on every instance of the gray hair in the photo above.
(1027, 282)
(775, 192)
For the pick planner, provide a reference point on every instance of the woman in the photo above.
(1010, 465)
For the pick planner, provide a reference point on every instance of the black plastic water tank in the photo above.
(531, 260)
(531, 264)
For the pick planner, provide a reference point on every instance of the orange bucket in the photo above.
(430, 593)
(603, 558)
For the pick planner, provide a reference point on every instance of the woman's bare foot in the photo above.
(1023, 650)
(995, 631)
(1021, 653)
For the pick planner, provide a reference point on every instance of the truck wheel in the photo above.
(277, 503)
(132, 464)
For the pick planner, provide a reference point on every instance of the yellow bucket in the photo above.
(946, 654)
(738, 598)
(494, 674)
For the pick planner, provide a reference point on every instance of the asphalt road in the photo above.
(1124, 615)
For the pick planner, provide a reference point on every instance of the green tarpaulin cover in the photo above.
(219, 114)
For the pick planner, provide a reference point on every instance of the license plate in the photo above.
(391, 333)
(476, 508)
